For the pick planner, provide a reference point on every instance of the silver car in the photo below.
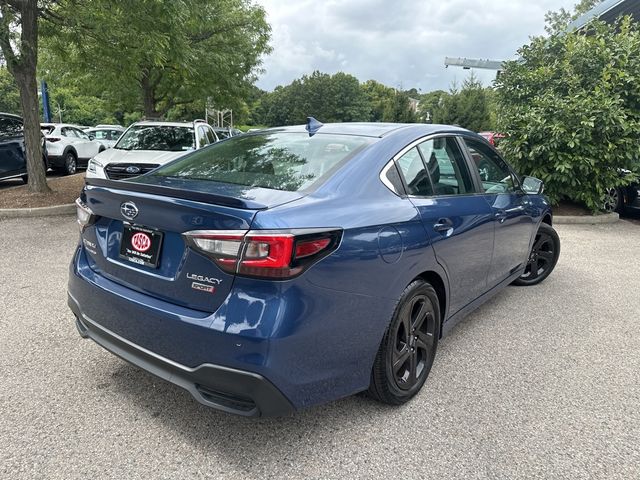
(107, 135)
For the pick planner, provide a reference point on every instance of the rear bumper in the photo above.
(223, 388)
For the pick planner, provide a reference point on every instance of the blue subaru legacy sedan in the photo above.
(293, 266)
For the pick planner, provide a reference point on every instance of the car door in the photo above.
(513, 215)
(12, 153)
(457, 220)
(86, 147)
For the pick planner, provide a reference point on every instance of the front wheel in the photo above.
(542, 258)
(407, 351)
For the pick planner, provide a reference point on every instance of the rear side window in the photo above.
(447, 166)
(494, 173)
(114, 134)
(414, 173)
(203, 140)
(100, 134)
(211, 136)
(10, 127)
(68, 132)
(277, 160)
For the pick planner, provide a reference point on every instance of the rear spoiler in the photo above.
(196, 196)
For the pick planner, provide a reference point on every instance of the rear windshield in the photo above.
(47, 129)
(157, 137)
(276, 160)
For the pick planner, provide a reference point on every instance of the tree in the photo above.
(467, 107)
(156, 55)
(19, 47)
(378, 97)
(570, 107)
(429, 103)
(557, 22)
(329, 98)
(398, 109)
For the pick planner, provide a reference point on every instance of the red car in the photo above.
(492, 137)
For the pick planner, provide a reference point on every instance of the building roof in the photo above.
(609, 11)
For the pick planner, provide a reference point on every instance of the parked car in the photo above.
(13, 161)
(145, 146)
(69, 148)
(105, 135)
(623, 199)
(493, 138)
(294, 266)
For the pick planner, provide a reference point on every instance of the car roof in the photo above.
(18, 117)
(93, 129)
(372, 129)
(59, 125)
(165, 124)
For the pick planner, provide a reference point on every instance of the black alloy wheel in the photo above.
(408, 348)
(542, 258)
(70, 164)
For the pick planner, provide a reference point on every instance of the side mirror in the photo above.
(532, 185)
(92, 137)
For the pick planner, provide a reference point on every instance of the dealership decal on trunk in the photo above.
(141, 242)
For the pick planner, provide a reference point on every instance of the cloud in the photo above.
(397, 43)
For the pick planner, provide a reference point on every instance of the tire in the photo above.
(404, 358)
(542, 258)
(613, 201)
(70, 163)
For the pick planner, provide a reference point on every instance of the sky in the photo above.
(401, 43)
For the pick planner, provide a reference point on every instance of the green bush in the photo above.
(570, 107)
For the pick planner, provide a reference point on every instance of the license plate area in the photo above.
(141, 245)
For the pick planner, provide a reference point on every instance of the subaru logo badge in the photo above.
(129, 210)
(133, 169)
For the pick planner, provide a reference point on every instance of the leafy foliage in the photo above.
(332, 98)
(329, 98)
(571, 110)
(557, 22)
(467, 107)
(9, 94)
(155, 55)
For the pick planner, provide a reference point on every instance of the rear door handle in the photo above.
(443, 225)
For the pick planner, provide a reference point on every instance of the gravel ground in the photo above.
(65, 190)
(541, 382)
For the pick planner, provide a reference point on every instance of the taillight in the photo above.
(265, 254)
(53, 139)
(84, 215)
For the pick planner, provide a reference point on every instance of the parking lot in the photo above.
(540, 382)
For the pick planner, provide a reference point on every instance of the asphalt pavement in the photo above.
(541, 382)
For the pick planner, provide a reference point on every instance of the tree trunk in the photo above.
(32, 135)
(148, 97)
(22, 65)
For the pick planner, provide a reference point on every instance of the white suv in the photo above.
(145, 146)
(68, 147)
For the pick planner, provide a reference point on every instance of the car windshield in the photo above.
(47, 129)
(157, 137)
(276, 160)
